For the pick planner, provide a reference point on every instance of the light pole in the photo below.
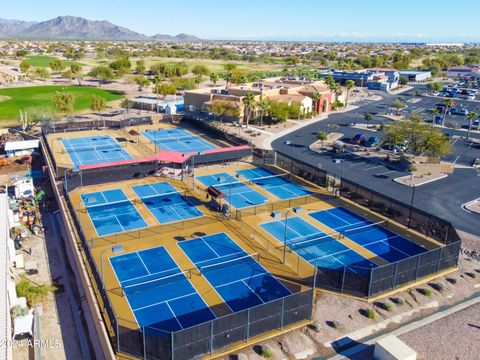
(337, 161)
(116, 249)
(296, 210)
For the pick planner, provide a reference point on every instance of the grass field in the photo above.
(16, 99)
(44, 61)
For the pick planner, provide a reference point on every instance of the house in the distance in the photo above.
(468, 72)
(10, 74)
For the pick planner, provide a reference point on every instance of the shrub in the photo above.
(425, 292)
(18, 311)
(34, 293)
(369, 313)
(266, 352)
(437, 286)
(316, 327)
(398, 301)
(334, 324)
(387, 306)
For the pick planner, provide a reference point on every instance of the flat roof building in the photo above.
(416, 75)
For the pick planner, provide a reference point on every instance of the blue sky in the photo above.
(332, 20)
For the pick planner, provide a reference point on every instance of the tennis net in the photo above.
(112, 147)
(229, 263)
(364, 228)
(155, 283)
(108, 204)
(268, 178)
(308, 240)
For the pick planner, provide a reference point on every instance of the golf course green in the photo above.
(16, 99)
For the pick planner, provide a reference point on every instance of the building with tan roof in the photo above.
(198, 103)
(10, 74)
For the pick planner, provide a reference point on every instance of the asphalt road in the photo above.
(443, 198)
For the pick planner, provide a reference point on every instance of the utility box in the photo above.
(392, 348)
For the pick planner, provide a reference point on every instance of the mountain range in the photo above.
(77, 28)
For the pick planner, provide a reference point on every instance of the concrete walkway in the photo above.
(349, 353)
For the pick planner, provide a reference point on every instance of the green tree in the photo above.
(42, 74)
(21, 53)
(57, 65)
(322, 136)
(368, 117)
(32, 292)
(103, 74)
(315, 99)
(349, 84)
(229, 67)
(163, 89)
(24, 66)
(63, 102)
(126, 104)
(403, 81)
(200, 70)
(248, 107)
(97, 105)
(227, 77)
(76, 70)
(214, 78)
(140, 68)
(227, 109)
(263, 107)
(448, 106)
(397, 104)
(198, 80)
(472, 115)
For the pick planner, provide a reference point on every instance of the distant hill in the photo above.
(77, 28)
(179, 37)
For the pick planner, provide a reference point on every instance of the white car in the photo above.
(470, 97)
(435, 93)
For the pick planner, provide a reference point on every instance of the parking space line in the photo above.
(373, 167)
(386, 172)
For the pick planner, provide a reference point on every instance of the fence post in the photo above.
(439, 259)
(343, 279)
(370, 283)
(416, 270)
(172, 346)
(395, 275)
(144, 344)
(247, 331)
(211, 337)
(118, 336)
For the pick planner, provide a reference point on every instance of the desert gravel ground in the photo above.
(450, 338)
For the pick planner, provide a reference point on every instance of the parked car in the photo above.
(476, 123)
(457, 111)
(435, 93)
(372, 141)
(470, 97)
(358, 139)
(439, 119)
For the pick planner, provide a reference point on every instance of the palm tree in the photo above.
(316, 98)
(322, 136)
(214, 78)
(349, 84)
(471, 116)
(263, 106)
(249, 105)
(448, 105)
(328, 80)
(227, 77)
(336, 89)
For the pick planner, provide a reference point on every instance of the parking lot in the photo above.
(443, 197)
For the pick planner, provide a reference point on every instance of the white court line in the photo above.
(144, 265)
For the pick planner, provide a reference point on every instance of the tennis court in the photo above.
(276, 184)
(237, 277)
(177, 140)
(166, 203)
(315, 246)
(112, 212)
(238, 194)
(372, 236)
(94, 150)
(158, 292)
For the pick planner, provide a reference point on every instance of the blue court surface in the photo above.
(158, 293)
(177, 140)
(111, 212)
(241, 195)
(373, 237)
(315, 246)
(94, 150)
(237, 277)
(166, 203)
(275, 184)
